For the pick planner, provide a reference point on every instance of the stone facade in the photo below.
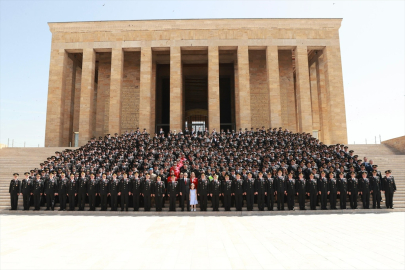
(286, 73)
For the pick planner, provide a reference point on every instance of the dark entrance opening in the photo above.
(227, 96)
(162, 98)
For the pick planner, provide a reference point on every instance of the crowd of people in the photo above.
(236, 169)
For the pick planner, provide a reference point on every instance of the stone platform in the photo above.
(366, 241)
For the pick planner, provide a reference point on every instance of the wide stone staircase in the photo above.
(21, 160)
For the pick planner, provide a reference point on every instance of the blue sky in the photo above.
(372, 47)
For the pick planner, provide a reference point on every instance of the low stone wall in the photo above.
(397, 143)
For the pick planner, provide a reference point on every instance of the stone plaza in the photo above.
(109, 77)
(344, 241)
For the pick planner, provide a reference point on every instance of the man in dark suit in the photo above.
(184, 191)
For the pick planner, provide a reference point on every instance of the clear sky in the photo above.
(371, 36)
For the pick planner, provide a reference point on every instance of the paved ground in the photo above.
(364, 241)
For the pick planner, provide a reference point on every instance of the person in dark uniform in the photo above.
(72, 192)
(81, 191)
(250, 192)
(353, 190)
(147, 192)
(260, 187)
(389, 189)
(159, 192)
(332, 190)
(202, 191)
(300, 187)
(136, 191)
(62, 191)
(114, 189)
(312, 191)
(92, 190)
(50, 190)
(104, 191)
(124, 190)
(26, 189)
(365, 190)
(290, 188)
(184, 187)
(374, 169)
(227, 192)
(14, 190)
(215, 193)
(342, 190)
(375, 189)
(323, 191)
(238, 191)
(172, 192)
(280, 189)
(37, 190)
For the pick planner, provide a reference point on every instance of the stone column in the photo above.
(176, 92)
(87, 96)
(145, 90)
(323, 101)
(68, 101)
(55, 104)
(117, 69)
(314, 97)
(103, 89)
(334, 86)
(273, 82)
(214, 120)
(303, 92)
(244, 113)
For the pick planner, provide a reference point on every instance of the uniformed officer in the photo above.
(332, 190)
(38, 189)
(82, 191)
(203, 191)
(147, 192)
(14, 190)
(72, 192)
(250, 192)
(62, 191)
(261, 190)
(280, 189)
(226, 192)
(375, 189)
(312, 191)
(114, 189)
(365, 190)
(159, 192)
(50, 190)
(136, 191)
(342, 190)
(26, 189)
(290, 183)
(172, 192)
(238, 191)
(353, 190)
(323, 190)
(215, 193)
(389, 189)
(124, 191)
(300, 187)
(92, 190)
(104, 191)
